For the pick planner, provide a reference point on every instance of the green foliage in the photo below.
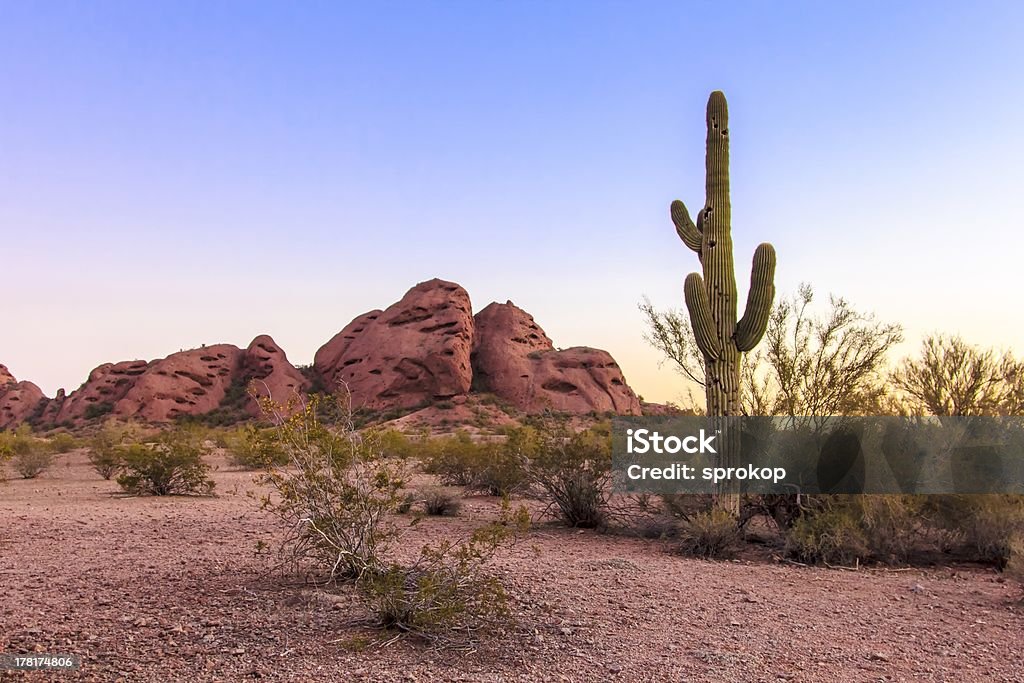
(29, 455)
(335, 495)
(172, 464)
(447, 591)
(95, 411)
(712, 534)
(844, 530)
(253, 448)
(490, 467)
(574, 470)
(62, 442)
(33, 462)
(106, 448)
(986, 526)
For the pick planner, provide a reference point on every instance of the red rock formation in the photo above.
(415, 351)
(269, 374)
(18, 402)
(5, 376)
(190, 382)
(97, 396)
(514, 359)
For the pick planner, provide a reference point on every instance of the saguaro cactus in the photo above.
(712, 299)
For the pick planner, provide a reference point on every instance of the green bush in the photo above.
(984, 525)
(447, 593)
(850, 529)
(106, 448)
(574, 470)
(253, 448)
(713, 534)
(97, 410)
(31, 463)
(454, 459)
(62, 442)
(170, 465)
(29, 456)
(335, 494)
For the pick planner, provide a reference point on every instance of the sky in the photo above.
(181, 173)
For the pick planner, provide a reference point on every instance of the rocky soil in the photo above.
(172, 589)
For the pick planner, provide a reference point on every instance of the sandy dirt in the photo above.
(169, 589)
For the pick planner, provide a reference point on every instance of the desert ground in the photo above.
(173, 588)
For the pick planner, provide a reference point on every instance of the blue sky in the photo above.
(180, 173)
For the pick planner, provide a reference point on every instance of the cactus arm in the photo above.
(701, 321)
(688, 232)
(752, 325)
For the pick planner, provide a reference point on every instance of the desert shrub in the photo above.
(106, 448)
(454, 459)
(439, 502)
(447, 592)
(98, 410)
(334, 496)
(574, 471)
(172, 464)
(30, 463)
(711, 535)
(831, 536)
(63, 442)
(494, 468)
(392, 443)
(29, 456)
(1015, 564)
(851, 529)
(253, 448)
(985, 526)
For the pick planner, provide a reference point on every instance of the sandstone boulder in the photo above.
(514, 359)
(105, 387)
(5, 376)
(18, 402)
(415, 351)
(189, 382)
(268, 374)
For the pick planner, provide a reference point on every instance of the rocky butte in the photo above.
(425, 349)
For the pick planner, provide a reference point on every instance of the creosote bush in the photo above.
(985, 527)
(493, 468)
(574, 471)
(172, 464)
(447, 592)
(845, 530)
(335, 494)
(107, 446)
(32, 462)
(29, 456)
(253, 448)
(339, 497)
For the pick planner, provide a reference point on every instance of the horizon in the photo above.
(162, 186)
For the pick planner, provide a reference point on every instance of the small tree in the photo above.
(172, 464)
(812, 365)
(951, 377)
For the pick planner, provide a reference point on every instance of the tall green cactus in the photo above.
(712, 299)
